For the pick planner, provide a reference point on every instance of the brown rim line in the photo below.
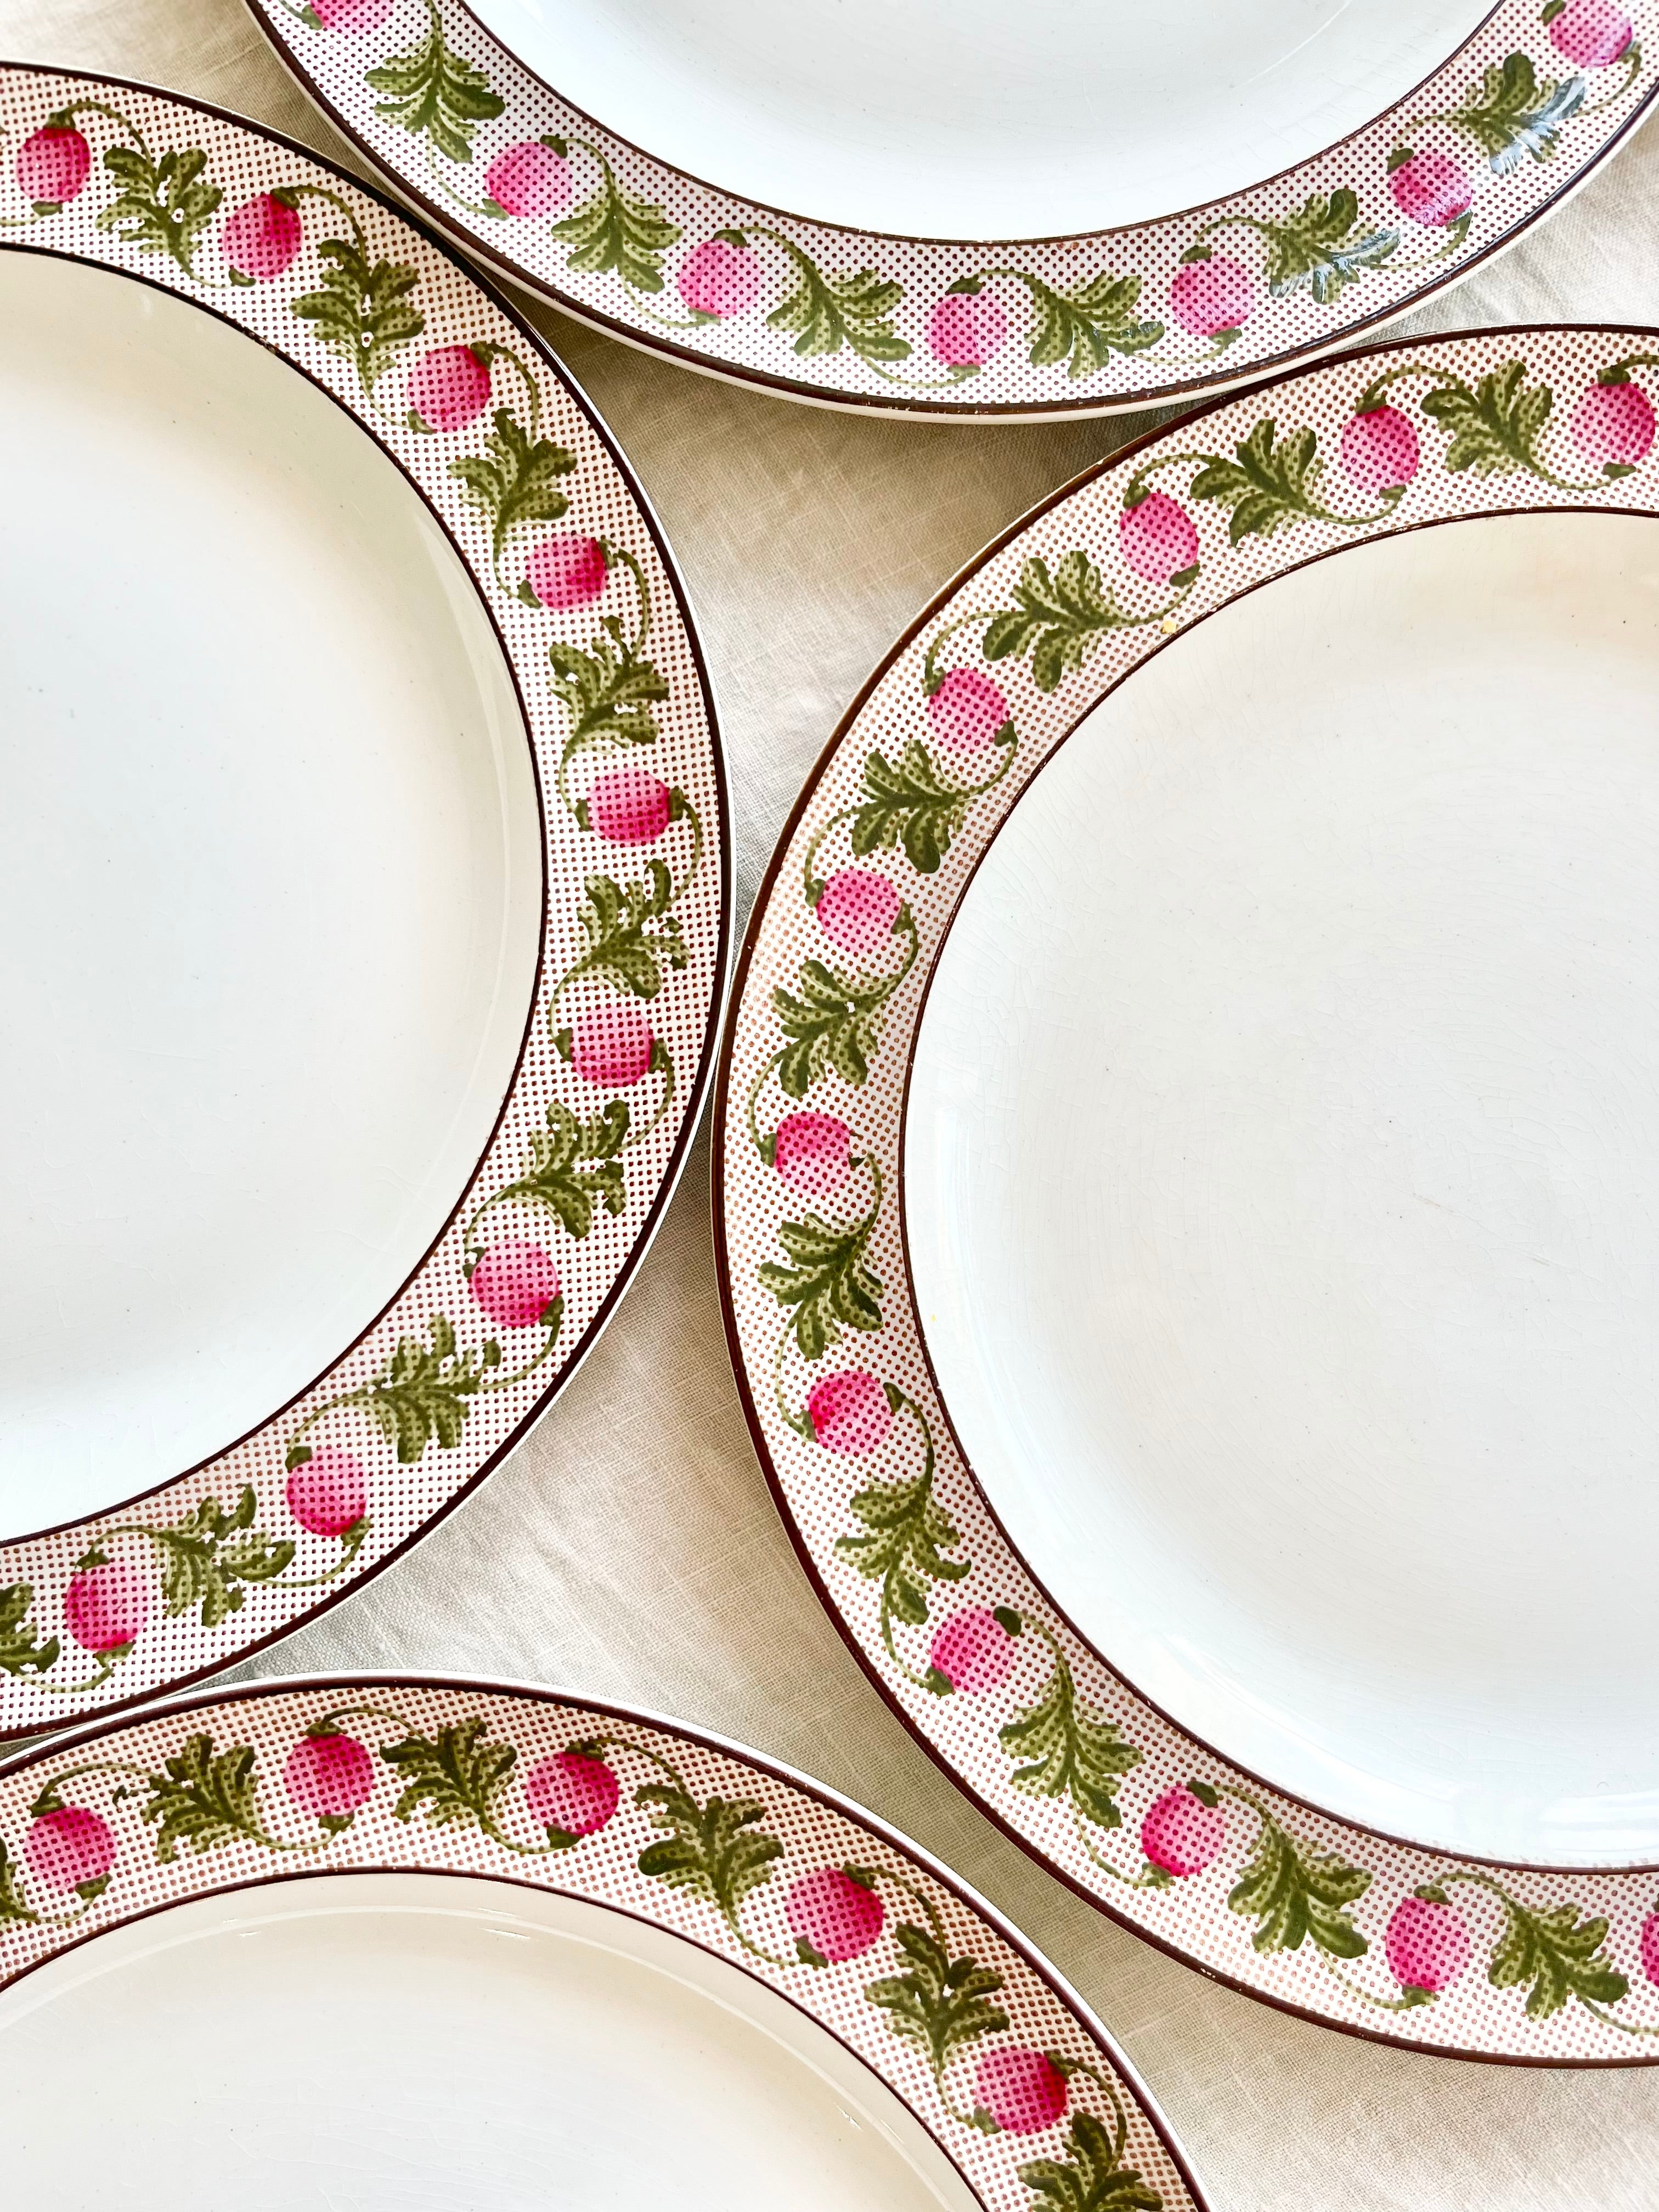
(1101, 1899)
(697, 1089)
(539, 1694)
(1221, 384)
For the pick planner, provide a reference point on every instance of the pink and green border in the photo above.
(1195, 302)
(581, 591)
(1015, 2082)
(1364, 1931)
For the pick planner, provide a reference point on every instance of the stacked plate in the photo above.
(1182, 1136)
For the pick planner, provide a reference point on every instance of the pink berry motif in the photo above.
(354, 17)
(516, 1284)
(720, 278)
(260, 239)
(972, 1650)
(530, 179)
(967, 711)
(329, 1493)
(1591, 33)
(1212, 295)
(329, 1775)
(1429, 188)
(1426, 1944)
(628, 806)
(1183, 1832)
(53, 166)
(1612, 424)
(966, 327)
(107, 1605)
(70, 1848)
(850, 1411)
(1158, 540)
(612, 1048)
(1022, 2091)
(448, 387)
(566, 570)
(813, 1153)
(573, 1793)
(833, 1915)
(1650, 1947)
(1379, 450)
(856, 911)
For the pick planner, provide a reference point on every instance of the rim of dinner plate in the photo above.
(539, 1694)
(1222, 384)
(845, 728)
(698, 1089)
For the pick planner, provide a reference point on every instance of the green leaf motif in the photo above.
(1294, 1894)
(824, 313)
(433, 92)
(1087, 325)
(1323, 247)
(362, 310)
(903, 1548)
(455, 1777)
(515, 479)
(623, 947)
(12, 1906)
(1071, 1750)
(713, 1851)
(164, 205)
(575, 1165)
(831, 1025)
(615, 230)
(1092, 2179)
(1268, 484)
(1511, 114)
(939, 2002)
(907, 802)
(1058, 619)
(202, 1799)
(23, 1651)
(608, 691)
(1558, 1954)
(421, 1393)
(826, 1281)
(209, 1555)
(1496, 426)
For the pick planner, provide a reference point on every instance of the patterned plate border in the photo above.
(476, 413)
(1319, 1916)
(1001, 2063)
(1193, 302)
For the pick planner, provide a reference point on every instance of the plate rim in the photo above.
(562, 380)
(544, 1696)
(275, 20)
(750, 1385)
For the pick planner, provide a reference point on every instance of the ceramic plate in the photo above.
(363, 873)
(1060, 212)
(426, 1936)
(1187, 1214)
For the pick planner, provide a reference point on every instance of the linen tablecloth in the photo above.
(629, 1547)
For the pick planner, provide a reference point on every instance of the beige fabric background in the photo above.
(629, 1547)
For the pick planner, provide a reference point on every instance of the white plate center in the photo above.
(969, 119)
(270, 886)
(1282, 1177)
(428, 2043)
